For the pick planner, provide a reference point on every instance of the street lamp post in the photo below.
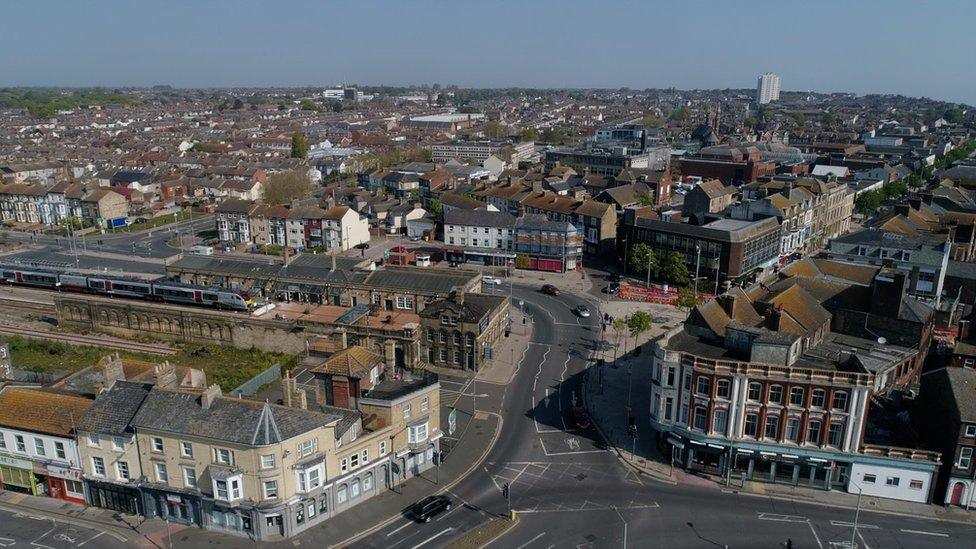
(697, 265)
(615, 510)
(857, 512)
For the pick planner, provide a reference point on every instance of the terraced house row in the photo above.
(247, 467)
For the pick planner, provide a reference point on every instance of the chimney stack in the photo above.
(112, 369)
(165, 374)
(209, 396)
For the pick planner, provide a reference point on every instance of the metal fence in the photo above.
(251, 386)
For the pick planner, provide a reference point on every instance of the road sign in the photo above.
(452, 421)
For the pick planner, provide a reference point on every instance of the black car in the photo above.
(426, 508)
(613, 277)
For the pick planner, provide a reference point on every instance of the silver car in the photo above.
(583, 311)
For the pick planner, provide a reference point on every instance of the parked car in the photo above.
(580, 417)
(613, 287)
(583, 311)
(491, 280)
(550, 289)
(430, 506)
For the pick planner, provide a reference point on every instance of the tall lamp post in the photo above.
(857, 512)
(697, 265)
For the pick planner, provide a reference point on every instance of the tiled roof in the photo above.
(352, 361)
(113, 411)
(233, 420)
(41, 411)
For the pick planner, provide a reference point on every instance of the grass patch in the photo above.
(228, 367)
(159, 222)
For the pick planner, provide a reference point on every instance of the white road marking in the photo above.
(815, 536)
(924, 533)
(548, 453)
(432, 538)
(864, 543)
(851, 525)
(587, 509)
(524, 545)
(782, 518)
(7, 542)
(91, 538)
(42, 536)
(398, 529)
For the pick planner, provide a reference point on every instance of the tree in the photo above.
(680, 114)
(642, 260)
(495, 129)
(675, 270)
(238, 105)
(868, 201)
(284, 187)
(895, 189)
(529, 134)
(638, 323)
(436, 208)
(337, 106)
(307, 105)
(652, 121)
(687, 298)
(299, 147)
(953, 115)
(829, 120)
(750, 122)
(799, 118)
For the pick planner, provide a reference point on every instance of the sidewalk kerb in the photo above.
(477, 463)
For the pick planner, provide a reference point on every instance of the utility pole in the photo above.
(697, 265)
(857, 512)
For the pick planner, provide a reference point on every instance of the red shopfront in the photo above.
(60, 483)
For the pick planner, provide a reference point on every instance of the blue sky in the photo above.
(895, 46)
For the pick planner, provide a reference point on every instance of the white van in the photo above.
(201, 250)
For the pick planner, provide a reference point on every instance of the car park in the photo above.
(425, 509)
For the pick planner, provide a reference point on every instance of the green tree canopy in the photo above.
(675, 270)
(799, 118)
(687, 298)
(639, 322)
(284, 187)
(299, 147)
(529, 134)
(869, 201)
(642, 260)
(307, 105)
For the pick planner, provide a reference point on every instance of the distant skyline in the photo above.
(892, 46)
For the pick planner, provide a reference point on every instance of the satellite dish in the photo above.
(882, 341)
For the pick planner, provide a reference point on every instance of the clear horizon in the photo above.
(907, 48)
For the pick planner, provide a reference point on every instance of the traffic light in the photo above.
(505, 491)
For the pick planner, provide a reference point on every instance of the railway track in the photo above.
(27, 304)
(88, 341)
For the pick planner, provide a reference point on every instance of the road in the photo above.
(569, 491)
(30, 531)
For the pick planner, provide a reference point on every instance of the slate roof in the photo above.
(41, 411)
(480, 218)
(471, 309)
(962, 387)
(113, 410)
(233, 420)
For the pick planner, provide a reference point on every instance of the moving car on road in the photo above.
(550, 289)
(580, 417)
(430, 506)
(491, 280)
(582, 311)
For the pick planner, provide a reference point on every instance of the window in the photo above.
(157, 445)
(793, 429)
(818, 398)
(720, 421)
(267, 461)
(703, 385)
(700, 418)
(354, 461)
(796, 396)
(39, 447)
(671, 374)
(122, 470)
(965, 458)
(368, 482)
(442, 355)
(270, 489)
(425, 404)
(118, 443)
(813, 431)
(892, 481)
(417, 433)
(223, 456)
(312, 480)
(161, 474)
(772, 427)
(382, 448)
(687, 385)
(834, 434)
(3, 442)
(840, 401)
(752, 425)
(869, 479)
(221, 489)
(93, 439)
(668, 408)
(21, 445)
(190, 477)
(365, 456)
(776, 394)
(307, 447)
(74, 487)
(915, 485)
(342, 494)
(971, 430)
(457, 357)
(229, 489)
(186, 449)
(354, 489)
(343, 465)
(406, 410)
(404, 302)
(98, 466)
(724, 388)
(311, 510)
